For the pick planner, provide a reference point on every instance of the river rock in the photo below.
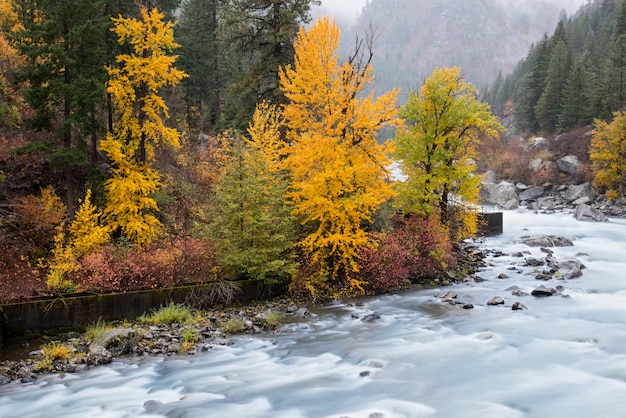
(588, 214)
(519, 306)
(545, 241)
(503, 194)
(568, 164)
(446, 295)
(374, 316)
(116, 341)
(468, 306)
(502, 276)
(533, 262)
(496, 300)
(302, 313)
(543, 291)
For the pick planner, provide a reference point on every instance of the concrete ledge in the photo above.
(34, 317)
(490, 223)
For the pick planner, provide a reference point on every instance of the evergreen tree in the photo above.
(261, 33)
(197, 32)
(549, 104)
(63, 73)
(253, 227)
(577, 95)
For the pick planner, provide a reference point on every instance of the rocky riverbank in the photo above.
(76, 352)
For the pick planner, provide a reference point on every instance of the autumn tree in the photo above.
(339, 174)
(252, 224)
(135, 85)
(608, 155)
(444, 121)
(9, 62)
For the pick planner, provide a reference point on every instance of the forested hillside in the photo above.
(570, 77)
(152, 144)
(482, 37)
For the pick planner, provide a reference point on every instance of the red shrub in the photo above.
(114, 269)
(418, 248)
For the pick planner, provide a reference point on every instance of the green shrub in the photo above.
(96, 329)
(172, 313)
(233, 326)
(272, 319)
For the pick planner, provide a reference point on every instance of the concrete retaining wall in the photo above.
(34, 317)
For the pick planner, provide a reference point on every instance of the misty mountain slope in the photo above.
(481, 37)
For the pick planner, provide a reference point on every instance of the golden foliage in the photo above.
(434, 148)
(608, 155)
(129, 193)
(63, 263)
(338, 170)
(134, 86)
(139, 78)
(86, 232)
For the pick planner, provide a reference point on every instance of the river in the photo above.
(563, 357)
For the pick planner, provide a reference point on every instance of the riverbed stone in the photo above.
(446, 295)
(518, 306)
(543, 291)
(587, 213)
(545, 241)
(116, 341)
(374, 316)
(531, 193)
(496, 300)
(302, 313)
(576, 191)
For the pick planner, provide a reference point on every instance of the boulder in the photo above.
(545, 241)
(496, 300)
(568, 164)
(575, 192)
(489, 177)
(371, 317)
(116, 342)
(588, 214)
(302, 313)
(536, 165)
(503, 194)
(531, 193)
(543, 291)
(519, 306)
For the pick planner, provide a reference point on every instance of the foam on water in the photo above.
(564, 356)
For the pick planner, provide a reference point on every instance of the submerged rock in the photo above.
(496, 300)
(374, 316)
(586, 213)
(543, 291)
(545, 241)
(519, 306)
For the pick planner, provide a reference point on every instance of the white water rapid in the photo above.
(563, 357)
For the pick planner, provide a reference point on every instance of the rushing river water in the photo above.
(563, 357)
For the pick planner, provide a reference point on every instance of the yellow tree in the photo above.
(434, 149)
(134, 86)
(608, 155)
(338, 170)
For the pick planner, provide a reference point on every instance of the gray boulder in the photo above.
(116, 342)
(543, 291)
(531, 193)
(496, 300)
(575, 192)
(568, 164)
(545, 241)
(503, 194)
(588, 214)
(489, 177)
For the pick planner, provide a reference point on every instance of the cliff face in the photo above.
(481, 37)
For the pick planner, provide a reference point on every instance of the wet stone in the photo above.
(496, 300)
(518, 306)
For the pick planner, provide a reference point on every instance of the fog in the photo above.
(349, 10)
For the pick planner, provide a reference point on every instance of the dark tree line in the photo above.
(571, 77)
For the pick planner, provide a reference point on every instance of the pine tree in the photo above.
(253, 226)
(577, 95)
(549, 104)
